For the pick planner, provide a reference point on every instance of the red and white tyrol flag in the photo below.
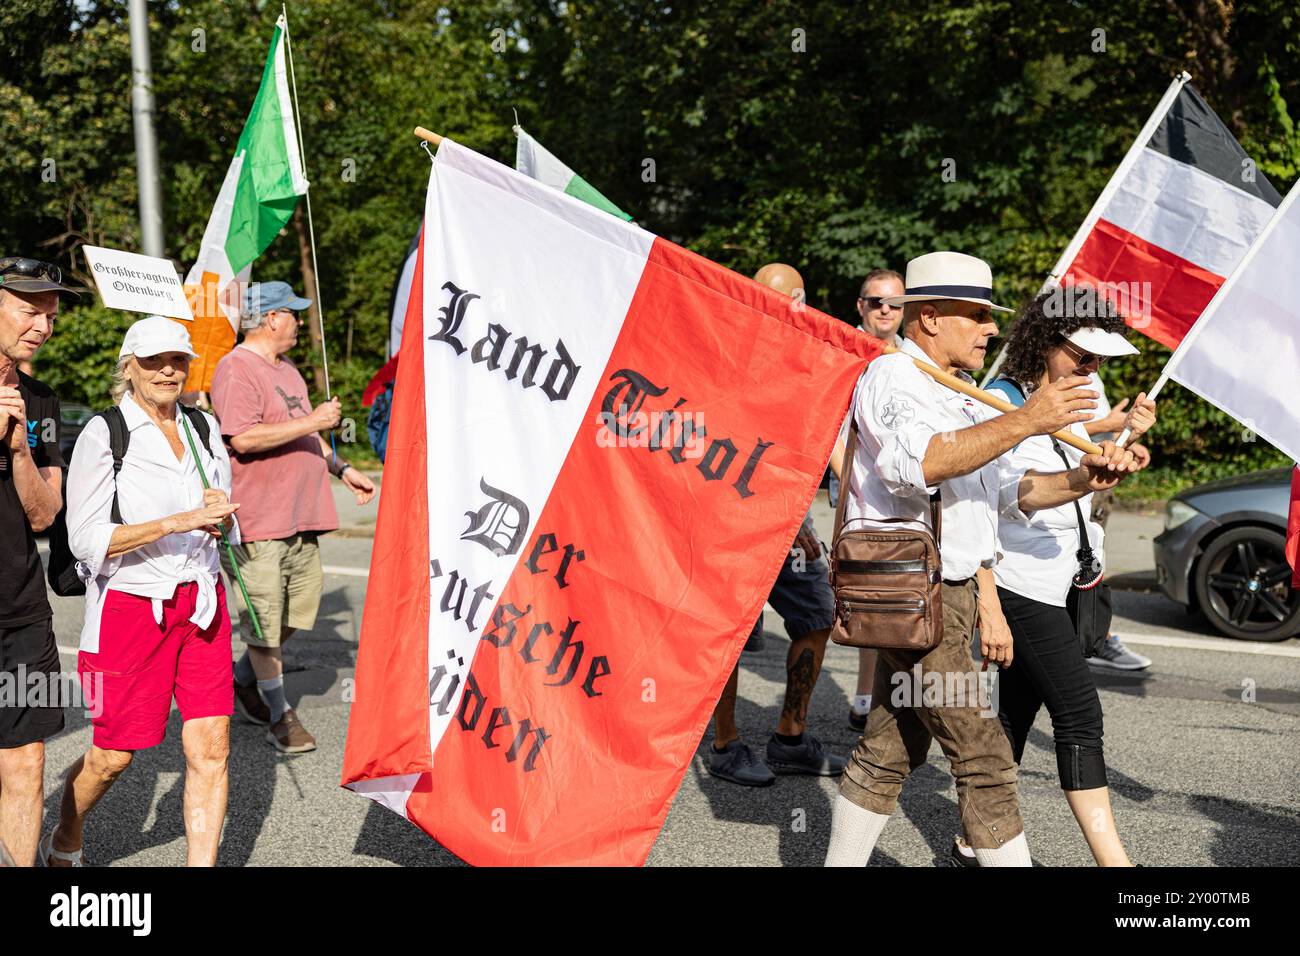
(1184, 209)
(601, 448)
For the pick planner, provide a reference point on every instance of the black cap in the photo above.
(20, 274)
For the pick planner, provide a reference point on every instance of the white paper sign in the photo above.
(136, 283)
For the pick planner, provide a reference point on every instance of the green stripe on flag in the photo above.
(579, 188)
(266, 195)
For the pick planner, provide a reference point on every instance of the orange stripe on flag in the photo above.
(210, 333)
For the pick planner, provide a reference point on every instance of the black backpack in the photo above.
(61, 569)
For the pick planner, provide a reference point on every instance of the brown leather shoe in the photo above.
(250, 705)
(289, 736)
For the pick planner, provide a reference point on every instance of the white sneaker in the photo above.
(1113, 655)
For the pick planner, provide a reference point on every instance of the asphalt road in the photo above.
(1201, 749)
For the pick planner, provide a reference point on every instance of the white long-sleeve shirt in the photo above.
(898, 410)
(152, 484)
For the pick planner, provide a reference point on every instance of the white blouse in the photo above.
(152, 484)
(1039, 549)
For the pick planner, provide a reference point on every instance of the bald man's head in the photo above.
(781, 277)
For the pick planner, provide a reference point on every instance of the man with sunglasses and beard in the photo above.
(31, 480)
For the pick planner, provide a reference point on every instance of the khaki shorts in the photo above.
(284, 582)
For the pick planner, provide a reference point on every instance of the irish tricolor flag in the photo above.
(535, 160)
(601, 448)
(1173, 222)
(256, 200)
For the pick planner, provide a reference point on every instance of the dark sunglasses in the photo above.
(1081, 357)
(30, 268)
(875, 302)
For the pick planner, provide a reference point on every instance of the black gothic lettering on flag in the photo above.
(500, 525)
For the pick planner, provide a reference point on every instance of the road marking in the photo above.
(346, 571)
(1222, 644)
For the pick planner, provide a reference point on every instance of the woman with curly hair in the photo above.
(1046, 566)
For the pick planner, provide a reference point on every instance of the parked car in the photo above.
(1222, 552)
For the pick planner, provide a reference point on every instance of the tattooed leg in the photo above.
(724, 715)
(803, 663)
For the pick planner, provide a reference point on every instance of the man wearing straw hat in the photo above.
(281, 469)
(917, 437)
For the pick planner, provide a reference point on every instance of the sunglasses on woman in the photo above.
(1081, 357)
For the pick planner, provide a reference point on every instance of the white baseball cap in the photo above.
(1100, 342)
(155, 335)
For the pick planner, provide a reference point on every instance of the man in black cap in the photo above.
(30, 498)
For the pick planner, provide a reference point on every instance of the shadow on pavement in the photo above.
(386, 836)
(1249, 835)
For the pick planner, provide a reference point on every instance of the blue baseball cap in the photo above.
(262, 297)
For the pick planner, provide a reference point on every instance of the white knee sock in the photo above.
(1012, 853)
(854, 832)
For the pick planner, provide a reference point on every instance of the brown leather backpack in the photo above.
(887, 583)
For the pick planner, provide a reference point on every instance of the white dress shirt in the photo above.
(899, 409)
(152, 484)
(1039, 550)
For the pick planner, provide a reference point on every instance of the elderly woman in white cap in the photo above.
(1049, 577)
(146, 534)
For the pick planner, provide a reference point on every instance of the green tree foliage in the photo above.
(837, 138)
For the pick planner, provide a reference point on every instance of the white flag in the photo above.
(1243, 354)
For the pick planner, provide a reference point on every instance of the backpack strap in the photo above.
(119, 439)
(1010, 389)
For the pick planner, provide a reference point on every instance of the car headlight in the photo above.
(1177, 513)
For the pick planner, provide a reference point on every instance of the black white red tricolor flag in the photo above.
(1180, 212)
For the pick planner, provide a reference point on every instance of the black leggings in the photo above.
(1048, 667)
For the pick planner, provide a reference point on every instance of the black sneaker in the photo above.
(957, 857)
(735, 763)
(754, 643)
(809, 757)
(857, 722)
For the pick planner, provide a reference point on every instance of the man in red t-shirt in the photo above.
(280, 476)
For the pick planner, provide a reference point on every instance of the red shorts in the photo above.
(141, 664)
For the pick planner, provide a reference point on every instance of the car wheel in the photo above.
(1244, 585)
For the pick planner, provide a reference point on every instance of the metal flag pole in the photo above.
(311, 229)
(1103, 199)
(225, 539)
(146, 142)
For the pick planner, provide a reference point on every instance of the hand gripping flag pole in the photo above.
(230, 549)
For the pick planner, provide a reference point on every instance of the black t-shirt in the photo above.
(22, 578)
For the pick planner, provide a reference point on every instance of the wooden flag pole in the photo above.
(1002, 405)
(942, 377)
